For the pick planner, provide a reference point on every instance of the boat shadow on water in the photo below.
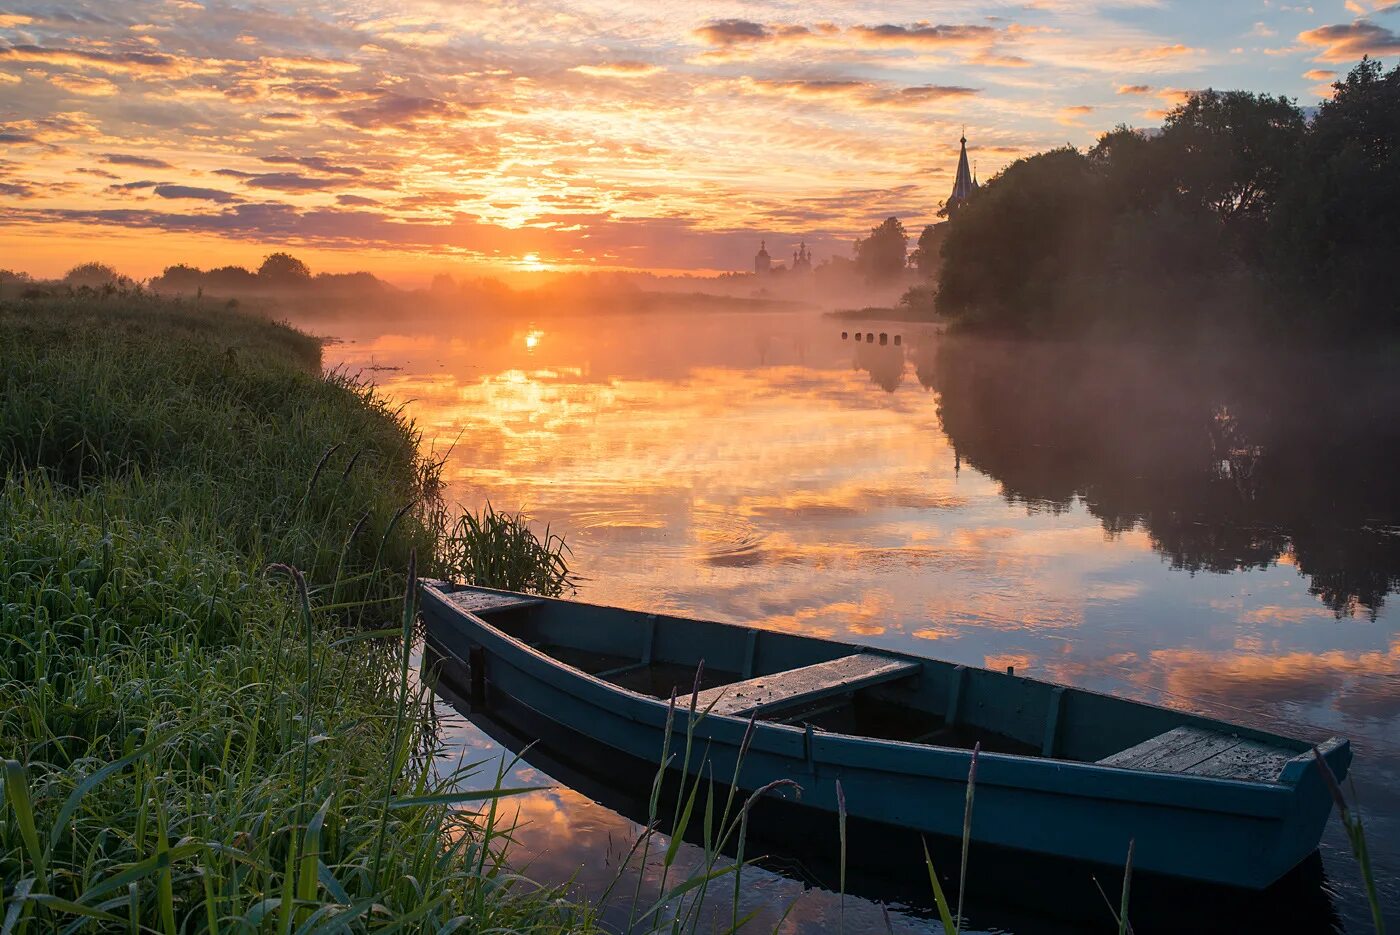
(1006, 890)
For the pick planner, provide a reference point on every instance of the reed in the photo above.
(500, 550)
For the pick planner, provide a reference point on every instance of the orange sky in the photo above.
(415, 137)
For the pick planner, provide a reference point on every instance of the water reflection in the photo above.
(1243, 465)
(600, 806)
(1192, 531)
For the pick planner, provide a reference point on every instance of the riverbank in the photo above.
(193, 741)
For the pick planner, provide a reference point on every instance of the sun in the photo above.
(532, 262)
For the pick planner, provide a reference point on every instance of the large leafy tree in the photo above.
(925, 256)
(881, 256)
(94, 275)
(1230, 151)
(1008, 249)
(1337, 234)
(283, 269)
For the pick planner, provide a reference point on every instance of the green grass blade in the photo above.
(17, 791)
(945, 915)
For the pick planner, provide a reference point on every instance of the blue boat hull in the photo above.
(1237, 833)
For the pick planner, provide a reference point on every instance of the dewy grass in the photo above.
(499, 550)
(190, 743)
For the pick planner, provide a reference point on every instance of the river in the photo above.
(1196, 529)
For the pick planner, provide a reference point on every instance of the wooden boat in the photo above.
(1063, 772)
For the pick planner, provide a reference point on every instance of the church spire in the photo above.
(963, 184)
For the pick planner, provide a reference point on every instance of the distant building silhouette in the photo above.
(964, 183)
(762, 262)
(802, 259)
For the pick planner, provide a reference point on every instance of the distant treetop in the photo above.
(284, 269)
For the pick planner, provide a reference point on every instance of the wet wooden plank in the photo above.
(480, 602)
(809, 683)
(1200, 752)
(1156, 749)
(1249, 759)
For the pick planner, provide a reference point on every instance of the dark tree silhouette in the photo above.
(925, 256)
(93, 275)
(881, 256)
(1337, 232)
(283, 269)
(1231, 150)
(1237, 221)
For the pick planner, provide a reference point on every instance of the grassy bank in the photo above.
(191, 745)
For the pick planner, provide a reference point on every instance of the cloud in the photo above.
(316, 163)
(727, 32)
(356, 200)
(287, 181)
(1319, 74)
(395, 111)
(145, 162)
(921, 34)
(1347, 42)
(1135, 89)
(131, 63)
(309, 63)
(201, 194)
(618, 70)
(862, 93)
(1073, 116)
(997, 60)
(84, 85)
(310, 93)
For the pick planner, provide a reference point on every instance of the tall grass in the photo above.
(192, 742)
(500, 550)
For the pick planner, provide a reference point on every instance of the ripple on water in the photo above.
(708, 534)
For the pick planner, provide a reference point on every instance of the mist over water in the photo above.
(1215, 533)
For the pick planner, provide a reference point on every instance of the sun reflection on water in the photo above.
(762, 470)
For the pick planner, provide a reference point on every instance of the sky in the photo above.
(485, 137)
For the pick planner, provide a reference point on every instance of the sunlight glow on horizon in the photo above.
(422, 137)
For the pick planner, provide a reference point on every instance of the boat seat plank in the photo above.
(480, 602)
(1202, 752)
(1249, 759)
(809, 683)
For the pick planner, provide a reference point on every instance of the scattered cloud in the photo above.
(727, 32)
(1346, 42)
(85, 85)
(394, 110)
(291, 182)
(199, 194)
(619, 70)
(316, 163)
(126, 159)
(1073, 116)
(421, 134)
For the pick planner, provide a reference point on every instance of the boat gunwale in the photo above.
(1269, 799)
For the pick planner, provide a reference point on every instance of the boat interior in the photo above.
(787, 678)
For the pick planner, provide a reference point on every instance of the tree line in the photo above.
(1239, 215)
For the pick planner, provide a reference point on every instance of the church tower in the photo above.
(963, 183)
(762, 262)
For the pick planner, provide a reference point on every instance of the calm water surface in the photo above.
(1212, 535)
